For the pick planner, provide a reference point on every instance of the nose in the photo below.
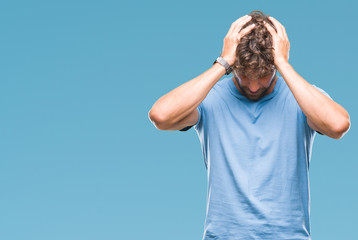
(254, 86)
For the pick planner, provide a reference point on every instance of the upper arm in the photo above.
(186, 122)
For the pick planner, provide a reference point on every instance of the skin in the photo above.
(254, 89)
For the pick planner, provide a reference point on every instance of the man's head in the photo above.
(254, 89)
(254, 67)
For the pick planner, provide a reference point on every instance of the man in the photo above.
(256, 131)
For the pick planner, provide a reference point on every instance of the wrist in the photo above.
(228, 60)
(219, 68)
(225, 64)
(282, 64)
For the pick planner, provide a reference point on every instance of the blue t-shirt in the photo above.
(257, 156)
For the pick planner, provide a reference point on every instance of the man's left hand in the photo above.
(281, 44)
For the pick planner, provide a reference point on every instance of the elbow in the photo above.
(157, 120)
(342, 128)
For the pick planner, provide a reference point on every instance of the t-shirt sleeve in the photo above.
(325, 93)
(199, 108)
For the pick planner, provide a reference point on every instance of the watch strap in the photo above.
(223, 62)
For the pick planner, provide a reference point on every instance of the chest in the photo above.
(255, 126)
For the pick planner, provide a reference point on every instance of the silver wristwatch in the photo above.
(223, 62)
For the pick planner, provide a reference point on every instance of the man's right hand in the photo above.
(233, 37)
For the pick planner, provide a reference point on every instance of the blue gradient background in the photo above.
(80, 158)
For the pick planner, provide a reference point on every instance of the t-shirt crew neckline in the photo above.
(239, 95)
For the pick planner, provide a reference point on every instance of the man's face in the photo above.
(255, 88)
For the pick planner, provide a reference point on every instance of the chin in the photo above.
(254, 97)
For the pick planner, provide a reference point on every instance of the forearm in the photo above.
(323, 112)
(181, 101)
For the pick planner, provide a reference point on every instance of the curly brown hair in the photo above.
(255, 55)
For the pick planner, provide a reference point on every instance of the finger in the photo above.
(282, 28)
(284, 32)
(234, 24)
(270, 29)
(246, 30)
(239, 23)
(278, 26)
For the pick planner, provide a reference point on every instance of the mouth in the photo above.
(254, 93)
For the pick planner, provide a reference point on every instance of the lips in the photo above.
(253, 93)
